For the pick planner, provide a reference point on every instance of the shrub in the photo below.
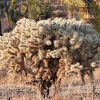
(1, 4)
(38, 9)
(14, 15)
(14, 4)
(74, 4)
(88, 10)
(50, 50)
(95, 11)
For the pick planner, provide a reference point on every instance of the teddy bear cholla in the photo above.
(50, 50)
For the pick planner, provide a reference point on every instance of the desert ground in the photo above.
(12, 88)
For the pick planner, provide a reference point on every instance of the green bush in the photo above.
(13, 4)
(89, 7)
(96, 22)
(72, 4)
(94, 11)
(38, 9)
(14, 14)
(1, 4)
(11, 14)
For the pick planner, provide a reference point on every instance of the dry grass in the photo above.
(70, 89)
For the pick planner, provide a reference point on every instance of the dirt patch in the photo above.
(70, 89)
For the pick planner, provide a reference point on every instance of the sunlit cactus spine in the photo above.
(50, 50)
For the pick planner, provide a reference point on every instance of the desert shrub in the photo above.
(95, 12)
(11, 14)
(50, 50)
(74, 4)
(96, 23)
(88, 10)
(1, 4)
(14, 4)
(38, 9)
(14, 13)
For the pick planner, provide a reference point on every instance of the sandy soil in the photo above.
(70, 89)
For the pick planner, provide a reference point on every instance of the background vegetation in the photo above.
(37, 9)
(88, 10)
(14, 13)
(13, 10)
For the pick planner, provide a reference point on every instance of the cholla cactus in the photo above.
(50, 49)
